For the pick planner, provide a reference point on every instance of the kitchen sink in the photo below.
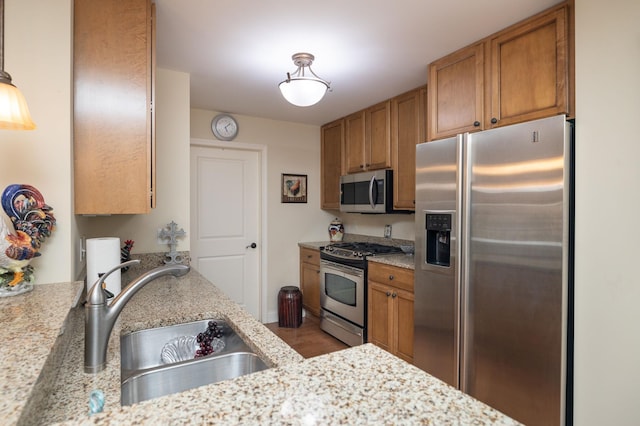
(187, 375)
(141, 350)
(144, 374)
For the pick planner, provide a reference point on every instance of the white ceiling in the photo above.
(237, 51)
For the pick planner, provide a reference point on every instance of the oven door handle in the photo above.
(342, 268)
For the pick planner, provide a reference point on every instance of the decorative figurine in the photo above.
(172, 233)
(336, 230)
(28, 223)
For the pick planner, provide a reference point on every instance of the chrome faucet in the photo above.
(100, 316)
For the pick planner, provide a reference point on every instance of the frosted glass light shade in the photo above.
(14, 112)
(303, 92)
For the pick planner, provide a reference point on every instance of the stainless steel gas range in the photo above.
(343, 288)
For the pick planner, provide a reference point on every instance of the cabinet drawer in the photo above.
(392, 275)
(310, 256)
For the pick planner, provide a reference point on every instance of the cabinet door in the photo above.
(403, 312)
(407, 130)
(331, 140)
(529, 70)
(354, 137)
(310, 280)
(379, 318)
(378, 136)
(456, 93)
(112, 112)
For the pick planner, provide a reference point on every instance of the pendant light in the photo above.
(14, 113)
(303, 88)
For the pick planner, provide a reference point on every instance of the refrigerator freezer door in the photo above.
(514, 318)
(436, 308)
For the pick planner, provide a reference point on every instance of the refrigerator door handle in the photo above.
(464, 199)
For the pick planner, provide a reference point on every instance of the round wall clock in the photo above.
(224, 127)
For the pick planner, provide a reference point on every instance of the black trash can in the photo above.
(289, 307)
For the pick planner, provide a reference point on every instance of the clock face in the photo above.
(224, 127)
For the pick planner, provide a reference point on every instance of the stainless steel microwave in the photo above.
(367, 192)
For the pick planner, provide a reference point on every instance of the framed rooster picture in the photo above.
(294, 188)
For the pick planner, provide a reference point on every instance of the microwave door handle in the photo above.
(372, 201)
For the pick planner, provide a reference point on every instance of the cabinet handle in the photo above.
(494, 120)
(390, 277)
(388, 293)
(362, 166)
(393, 295)
(309, 256)
(476, 124)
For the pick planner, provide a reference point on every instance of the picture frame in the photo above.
(293, 188)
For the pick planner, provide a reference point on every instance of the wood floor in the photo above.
(308, 340)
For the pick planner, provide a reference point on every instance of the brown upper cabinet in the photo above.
(113, 116)
(407, 130)
(368, 139)
(529, 70)
(456, 92)
(331, 140)
(518, 74)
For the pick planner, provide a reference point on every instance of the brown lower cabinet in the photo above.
(310, 280)
(390, 309)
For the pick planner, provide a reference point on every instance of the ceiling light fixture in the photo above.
(300, 89)
(14, 113)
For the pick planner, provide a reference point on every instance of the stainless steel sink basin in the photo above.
(188, 375)
(145, 376)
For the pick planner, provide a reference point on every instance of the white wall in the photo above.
(290, 148)
(38, 41)
(172, 162)
(607, 341)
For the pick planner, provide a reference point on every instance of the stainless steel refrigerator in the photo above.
(493, 273)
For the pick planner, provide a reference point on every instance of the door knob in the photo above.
(252, 245)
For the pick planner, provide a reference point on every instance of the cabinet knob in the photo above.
(476, 124)
(393, 295)
(309, 256)
(494, 120)
(362, 166)
(391, 277)
(388, 293)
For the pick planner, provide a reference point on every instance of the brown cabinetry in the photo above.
(456, 93)
(529, 70)
(310, 280)
(331, 140)
(518, 74)
(113, 122)
(390, 309)
(368, 139)
(407, 130)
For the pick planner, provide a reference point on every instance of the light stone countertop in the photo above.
(30, 324)
(359, 385)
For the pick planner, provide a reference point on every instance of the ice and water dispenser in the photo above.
(438, 238)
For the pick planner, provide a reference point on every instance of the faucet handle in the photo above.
(96, 294)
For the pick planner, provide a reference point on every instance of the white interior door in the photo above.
(225, 217)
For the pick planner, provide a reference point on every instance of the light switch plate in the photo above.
(387, 231)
